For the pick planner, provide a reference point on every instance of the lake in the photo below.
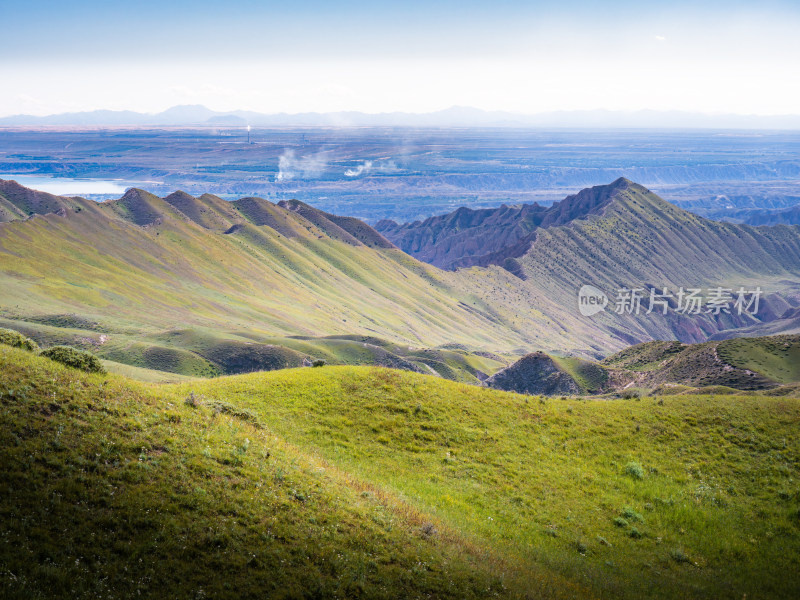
(67, 186)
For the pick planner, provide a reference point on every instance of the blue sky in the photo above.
(740, 57)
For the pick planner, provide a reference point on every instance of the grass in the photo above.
(590, 377)
(208, 352)
(776, 357)
(387, 483)
(704, 470)
(140, 374)
(716, 367)
(109, 489)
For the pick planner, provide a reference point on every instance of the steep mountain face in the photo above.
(622, 236)
(468, 237)
(787, 323)
(790, 216)
(642, 242)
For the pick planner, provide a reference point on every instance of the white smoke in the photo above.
(368, 166)
(364, 167)
(307, 167)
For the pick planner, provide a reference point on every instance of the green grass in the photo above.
(387, 483)
(590, 377)
(115, 489)
(776, 357)
(645, 357)
(140, 374)
(514, 471)
(209, 352)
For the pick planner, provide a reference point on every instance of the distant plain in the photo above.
(407, 174)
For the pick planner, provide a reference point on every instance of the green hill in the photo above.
(358, 481)
(738, 364)
(742, 363)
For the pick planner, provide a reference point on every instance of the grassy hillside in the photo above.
(206, 352)
(742, 363)
(139, 264)
(146, 265)
(386, 483)
(115, 490)
(777, 358)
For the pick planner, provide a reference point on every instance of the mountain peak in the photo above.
(467, 237)
(139, 206)
(589, 201)
(18, 202)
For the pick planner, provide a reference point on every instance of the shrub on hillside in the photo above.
(17, 340)
(77, 359)
(635, 470)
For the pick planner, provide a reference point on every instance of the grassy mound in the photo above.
(776, 357)
(77, 359)
(9, 337)
(544, 480)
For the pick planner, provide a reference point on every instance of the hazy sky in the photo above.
(523, 56)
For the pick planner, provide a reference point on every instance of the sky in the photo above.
(526, 57)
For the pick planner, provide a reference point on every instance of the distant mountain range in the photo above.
(186, 283)
(457, 116)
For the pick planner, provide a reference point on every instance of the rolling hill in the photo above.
(361, 481)
(766, 363)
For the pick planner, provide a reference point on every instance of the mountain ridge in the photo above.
(287, 269)
(788, 216)
(455, 240)
(743, 364)
(454, 116)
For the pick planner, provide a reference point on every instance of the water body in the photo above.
(67, 186)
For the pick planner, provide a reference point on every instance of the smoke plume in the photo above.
(306, 167)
